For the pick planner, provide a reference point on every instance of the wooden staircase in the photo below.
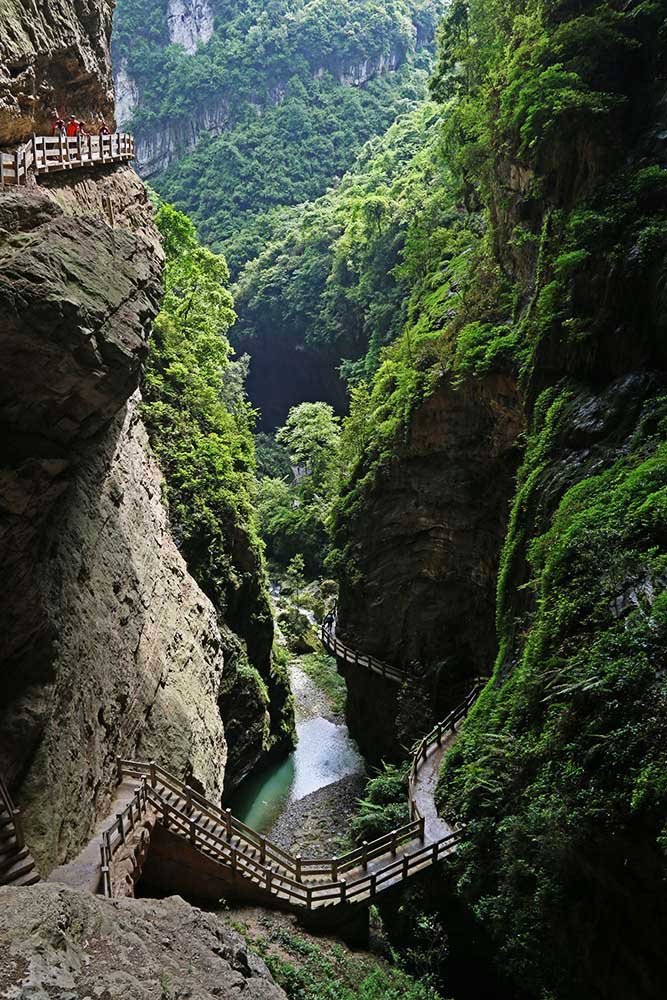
(17, 866)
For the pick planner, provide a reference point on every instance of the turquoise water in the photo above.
(325, 753)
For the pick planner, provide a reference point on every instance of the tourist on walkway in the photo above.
(104, 128)
(74, 127)
(57, 123)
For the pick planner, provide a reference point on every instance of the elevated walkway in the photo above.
(46, 154)
(249, 866)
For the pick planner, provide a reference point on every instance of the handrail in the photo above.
(13, 813)
(43, 154)
(287, 877)
(337, 648)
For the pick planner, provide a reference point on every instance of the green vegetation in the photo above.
(195, 409)
(200, 426)
(341, 270)
(284, 76)
(293, 516)
(321, 668)
(384, 805)
(310, 969)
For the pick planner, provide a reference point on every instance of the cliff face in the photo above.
(425, 549)
(558, 772)
(190, 23)
(160, 145)
(52, 55)
(108, 645)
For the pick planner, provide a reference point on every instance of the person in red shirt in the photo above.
(73, 127)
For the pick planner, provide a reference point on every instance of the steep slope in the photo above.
(332, 284)
(269, 107)
(108, 644)
(556, 132)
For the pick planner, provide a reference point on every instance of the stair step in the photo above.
(11, 858)
(30, 878)
(8, 845)
(22, 867)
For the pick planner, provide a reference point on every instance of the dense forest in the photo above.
(303, 86)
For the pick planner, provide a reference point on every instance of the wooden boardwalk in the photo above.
(44, 154)
(336, 647)
(287, 880)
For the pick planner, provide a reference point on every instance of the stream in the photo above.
(294, 800)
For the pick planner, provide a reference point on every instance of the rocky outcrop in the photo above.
(425, 550)
(109, 646)
(190, 23)
(51, 55)
(161, 144)
(127, 94)
(58, 942)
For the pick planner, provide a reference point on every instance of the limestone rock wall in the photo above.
(190, 22)
(136, 657)
(426, 549)
(54, 53)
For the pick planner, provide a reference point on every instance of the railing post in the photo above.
(298, 868)
(269, 879)
(119, 770)
(188, 799)
(17, 164)
(18, 828)
(440, 734)
(262, 850)
(90, 149)
(165, 814)
(234, 860)
(374, 880)
(104, 868)
(334, 870)
(406, 866)
(435, 852)
(343, 890)
(2, 171)
(121, 827)
(79, 149)
(364, 855)
(34, 152)
(394, 843)
(153, 774)
(137, 796)
(422, 829)
(228, 823)
(309, 898)
(193, 832)
(130, 814)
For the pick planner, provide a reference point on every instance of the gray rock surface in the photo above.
(54, 53)
(136, 663)
(55, 942)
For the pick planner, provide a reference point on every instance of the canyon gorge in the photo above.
(350, 389)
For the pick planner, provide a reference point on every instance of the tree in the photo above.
(295, 575)
(312, 437)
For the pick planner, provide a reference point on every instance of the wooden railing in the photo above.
(289, 878)
(13, 813)
(45, 154)
(333, 645)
